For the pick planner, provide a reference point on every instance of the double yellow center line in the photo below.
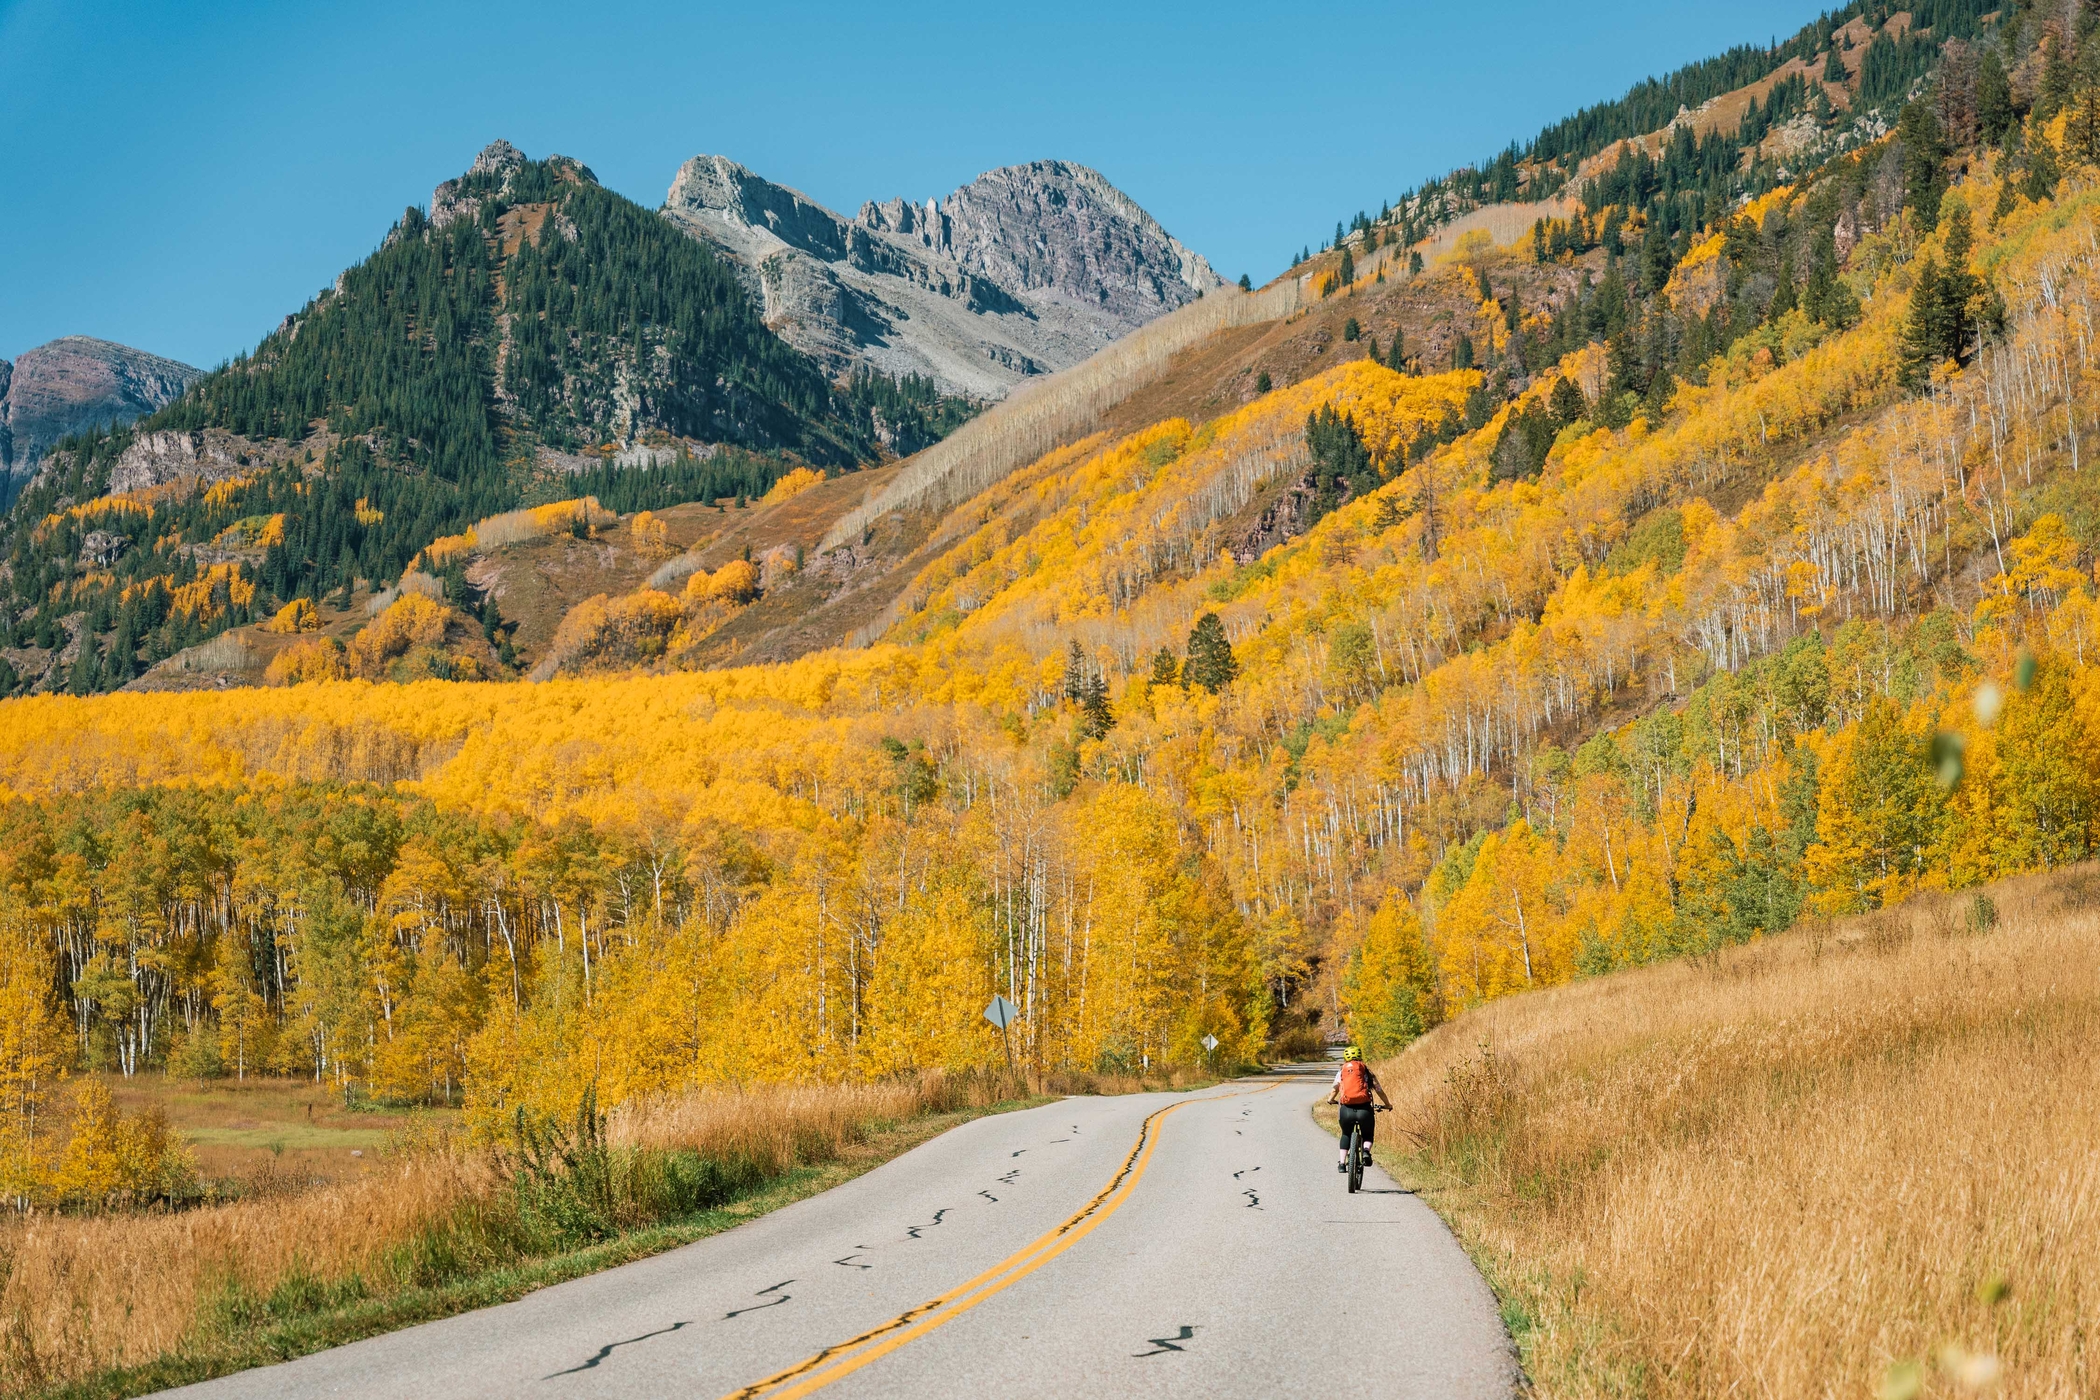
(837, 1362)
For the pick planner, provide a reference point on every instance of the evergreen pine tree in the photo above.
(1623, 360)
(2055, 89)
(1924, 151)
(1827, 299)
(1924, 333)
(1783, 295)
(1165, 669)
(1341, 463)
(1346, 273)
(122, 665)
(1393, 357)
(1657, 401)
(1095, 718)
(1351, 330)
(1566, 403)
(1994, 109)
(1959, 287)
(1246, 283)
(1076, 674)
(2082, 129)
(2041, 175)
(1210, 662)
(86, 677)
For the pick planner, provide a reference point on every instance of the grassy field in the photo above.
(1855, 1160)
(278, 1130)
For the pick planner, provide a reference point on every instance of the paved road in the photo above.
(1155, 1244)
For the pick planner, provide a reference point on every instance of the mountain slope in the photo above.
(1673, 153)
(534, 337)
(1025, 270)
(1716, 557)
(72, 383)
(530, 303)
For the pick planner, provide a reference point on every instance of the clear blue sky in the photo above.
(179, 176)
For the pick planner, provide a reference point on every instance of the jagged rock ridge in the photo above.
(1024, 270)
(73, 383)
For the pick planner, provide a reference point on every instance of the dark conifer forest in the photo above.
(455, 373)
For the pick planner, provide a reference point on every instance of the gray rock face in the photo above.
(1022, 271)
(74, 383)
(99, 549)
(157, 459)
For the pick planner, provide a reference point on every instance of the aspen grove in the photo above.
(1793, 640)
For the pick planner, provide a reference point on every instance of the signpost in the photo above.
(1210, 1043)
(1002, 1013)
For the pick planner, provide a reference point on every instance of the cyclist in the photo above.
(1354, 1086)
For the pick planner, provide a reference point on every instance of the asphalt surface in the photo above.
(1095, 1246)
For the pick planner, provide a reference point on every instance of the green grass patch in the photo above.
(287, 1136)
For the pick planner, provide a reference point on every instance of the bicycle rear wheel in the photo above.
(1356, 1160)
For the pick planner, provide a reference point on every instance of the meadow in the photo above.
(1855, 1159)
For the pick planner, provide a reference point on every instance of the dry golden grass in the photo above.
(86, 1293)
(1855, 1160)
(81, 1295)
(786, 1125)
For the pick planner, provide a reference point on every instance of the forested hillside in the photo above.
(1678, 597)
(1674, 151)
(533, 328)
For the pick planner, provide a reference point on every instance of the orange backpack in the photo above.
(1356, 1084)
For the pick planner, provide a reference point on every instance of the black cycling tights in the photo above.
(1358, 1117)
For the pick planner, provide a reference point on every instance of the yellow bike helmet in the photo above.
(1353, 1052)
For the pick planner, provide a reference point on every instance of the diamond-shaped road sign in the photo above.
(1210, 1042)
(1001, 1012)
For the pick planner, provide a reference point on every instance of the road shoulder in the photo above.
(1517, 1295)
(270, 1343)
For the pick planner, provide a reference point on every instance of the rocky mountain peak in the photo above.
(496, 157)
(1062, 229)
(73, 383)
(1027, 269)
(494, 173)
(716, 190)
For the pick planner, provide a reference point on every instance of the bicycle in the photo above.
(1359, 1155)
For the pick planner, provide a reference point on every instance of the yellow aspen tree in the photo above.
(1391, 984)
(1878, 815)
(2043, 767)
(240, 1007)
(34, 1049)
